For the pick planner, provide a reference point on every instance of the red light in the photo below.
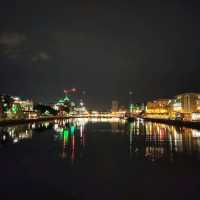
(70, 90)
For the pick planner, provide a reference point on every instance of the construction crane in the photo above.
(72, 90)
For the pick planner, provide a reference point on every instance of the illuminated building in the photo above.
(115, 106)
(64, 105)
(158, 108)
(195, 116)
(122, 109)
(137, 108)
(6, 102)
(185, 104)
(10, 109)
(80, 109)
(15, 107)
(24, 106)
(198, 103)
(189, 102)
(175, 107)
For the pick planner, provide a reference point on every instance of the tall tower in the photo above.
(115, 106)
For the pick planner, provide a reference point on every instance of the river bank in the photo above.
(189, 124)
(6, 122)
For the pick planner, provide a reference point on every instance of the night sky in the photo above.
(105, 48)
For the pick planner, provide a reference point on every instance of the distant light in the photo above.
(66, 135)
(4, 138)
(72, 129)
(195, 133)
(73, 89)
(14, 108)
(15, 140)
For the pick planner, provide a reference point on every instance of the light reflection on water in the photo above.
(150, 141)
(13, 134)
(157, 142)
(71, 137)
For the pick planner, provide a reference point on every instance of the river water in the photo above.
(99, 159)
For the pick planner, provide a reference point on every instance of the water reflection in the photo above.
(118, 126)
(14, 134)
(71, 135)
(150, 141)
(107, 120)
(158, 142)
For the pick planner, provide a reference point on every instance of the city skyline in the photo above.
(102, 48)
(100, 99)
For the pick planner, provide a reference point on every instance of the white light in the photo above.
(195, 133)
(15, 140)
(195, 116)
(4, 138)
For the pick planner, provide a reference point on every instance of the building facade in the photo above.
(13, 107)
(189, 102)
(137, 108)
(184, 105)
(115, 106)
(160, 106)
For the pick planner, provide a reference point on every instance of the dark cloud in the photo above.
(41, 56)
(11, 40)
(12, 44)
(18, 46)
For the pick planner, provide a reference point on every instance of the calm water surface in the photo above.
(99, 159)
